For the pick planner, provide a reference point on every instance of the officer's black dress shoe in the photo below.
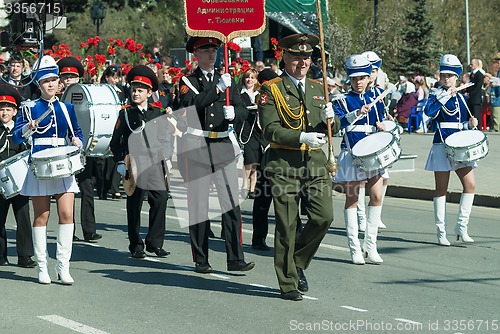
(240, 266)
(291, 295)
(139, 254)
(303, 286)
(25, 262)
(4, 262)
(160, 252)
(261, 246)
(93, 237)
(203, 268)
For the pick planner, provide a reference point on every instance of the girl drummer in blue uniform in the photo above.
(358, 120)
(449, 110)
(51, 131)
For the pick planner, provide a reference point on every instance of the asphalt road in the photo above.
(420, 288)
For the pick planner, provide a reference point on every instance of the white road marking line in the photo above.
(73, 325)
(353, 308)
(220, 276)
(309, 297)
(408, 321)
(260, 286)
(343, 249)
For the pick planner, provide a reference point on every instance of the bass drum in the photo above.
(97, 108)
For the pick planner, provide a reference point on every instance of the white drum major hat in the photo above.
(450, 64)
(358, 66)
(373, 58)
(45, 67)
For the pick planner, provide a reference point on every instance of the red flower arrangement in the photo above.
(278, 51)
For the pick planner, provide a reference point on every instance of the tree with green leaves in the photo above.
(415, 54)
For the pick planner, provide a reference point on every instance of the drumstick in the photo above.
(377, 99)
(29, 132)
(39, 119)
(467, 85)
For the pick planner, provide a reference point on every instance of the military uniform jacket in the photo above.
(208, 115)
(138, 119)
(283, 132)
(7, 146)
(446, 108)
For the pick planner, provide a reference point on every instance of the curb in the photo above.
(428, 195)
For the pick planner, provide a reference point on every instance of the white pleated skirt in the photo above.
(438, 161)
(348, 172)
(35, 187)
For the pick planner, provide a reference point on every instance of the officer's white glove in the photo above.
(312, 139)
(121, 168)
(229, 113)
(327, 112)
(224, 82)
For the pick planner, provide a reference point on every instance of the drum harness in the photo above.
(41, 130)
(366, 128)
(452, 125)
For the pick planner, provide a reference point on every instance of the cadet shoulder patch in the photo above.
(263, 99)
(184, 89)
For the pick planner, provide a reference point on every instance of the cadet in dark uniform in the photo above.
(10, 99)
(70, 72)
(294, 116)
(132, 121)
(209, 154)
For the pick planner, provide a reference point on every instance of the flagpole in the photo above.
(331, 164)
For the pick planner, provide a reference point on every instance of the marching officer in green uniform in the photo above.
(294, 116)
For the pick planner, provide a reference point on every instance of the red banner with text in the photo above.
(225, 19)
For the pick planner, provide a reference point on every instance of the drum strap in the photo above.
(65, 112)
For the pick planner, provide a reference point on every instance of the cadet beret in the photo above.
(450, 64)
(358, 66)
(202, 42)
(299, 44)
(9, 94)
(143, 75)
(44, 68)
(70, 65)
(373, 58)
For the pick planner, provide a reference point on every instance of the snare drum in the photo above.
(97, 108)
(376, 151)
(393, 127)
(466, 146)
(12, 174)
(57, 162)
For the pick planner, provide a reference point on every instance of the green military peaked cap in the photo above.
(299, 44)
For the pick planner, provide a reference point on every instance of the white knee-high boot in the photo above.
(361, 209)
(63, 255)
(440, 219)
(370, 244)
(380, 223)
(40, 248)
(351, 227)
(466, 201)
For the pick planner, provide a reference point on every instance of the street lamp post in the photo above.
(375, 21)
(97, 14)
